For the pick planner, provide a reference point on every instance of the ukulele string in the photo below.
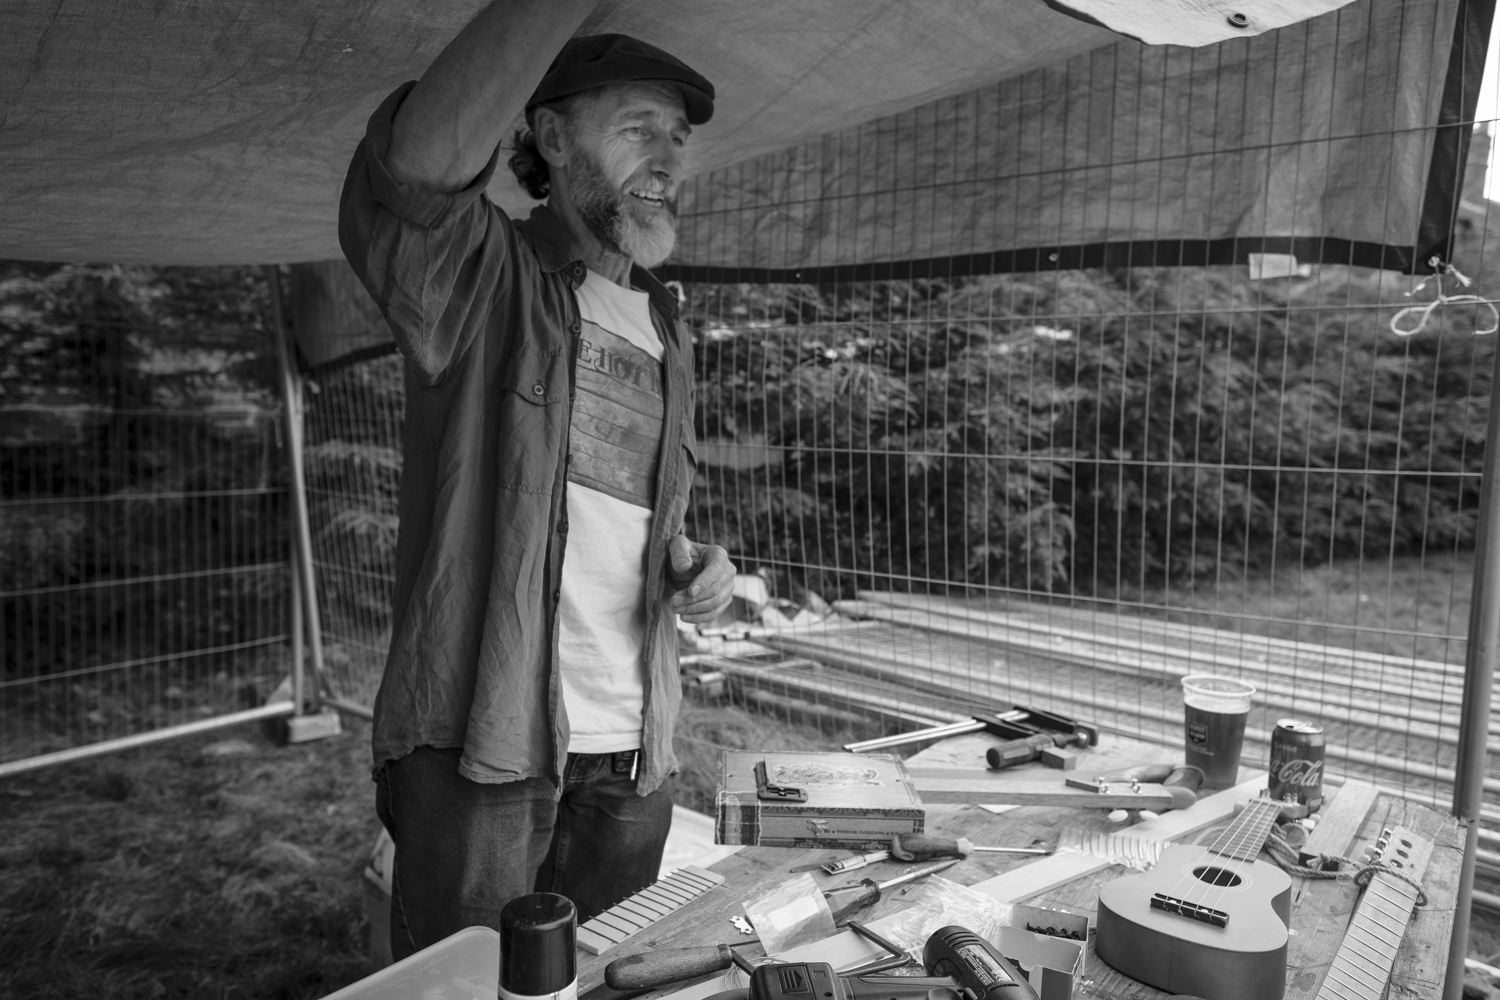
(1241, 842)
(1232, 847)
(1189, 887)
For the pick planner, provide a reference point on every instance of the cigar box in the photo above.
(850, 801)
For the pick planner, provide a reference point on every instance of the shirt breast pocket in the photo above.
(532, 426)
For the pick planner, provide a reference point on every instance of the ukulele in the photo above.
(1207, 921)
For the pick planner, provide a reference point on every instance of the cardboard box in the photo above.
(1052, 964)
(1056, 921)
(849, 801)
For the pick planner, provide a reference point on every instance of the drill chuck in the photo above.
(980, 969)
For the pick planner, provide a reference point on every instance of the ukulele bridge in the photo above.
(1193, 911)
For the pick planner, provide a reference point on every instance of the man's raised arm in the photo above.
(448, 126)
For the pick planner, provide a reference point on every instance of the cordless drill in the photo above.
(982, 972)
(818, 981)
(964, 966)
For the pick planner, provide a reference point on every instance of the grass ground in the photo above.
(229, 866)
(1409, 607)
(225, 866)
(215, 867)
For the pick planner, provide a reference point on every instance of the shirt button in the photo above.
(539, 390)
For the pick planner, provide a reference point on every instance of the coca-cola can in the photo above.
(1297, 763)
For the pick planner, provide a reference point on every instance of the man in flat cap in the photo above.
(523, 727)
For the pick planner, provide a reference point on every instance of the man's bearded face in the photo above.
(637, 218)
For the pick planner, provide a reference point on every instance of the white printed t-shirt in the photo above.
(616, 436)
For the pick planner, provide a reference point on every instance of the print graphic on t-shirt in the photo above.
(616, 417)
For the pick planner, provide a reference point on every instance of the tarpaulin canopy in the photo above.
(204, 131)
(1338, 138)
(849, 139)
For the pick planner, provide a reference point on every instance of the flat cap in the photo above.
(593, 60)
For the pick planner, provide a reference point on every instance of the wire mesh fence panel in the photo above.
(353, 459)
(1027, 498)
(144, 582)
(1061, 490)
(1064, 479)
(950, 490)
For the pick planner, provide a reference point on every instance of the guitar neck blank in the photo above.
(634, 914)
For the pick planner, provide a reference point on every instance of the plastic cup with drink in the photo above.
(1214, 714)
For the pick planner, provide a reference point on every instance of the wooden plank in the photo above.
(1321, 908)
(1429, 681)
(970, 681)
(1047, 618)
(1339, 821)
(951, 786)
(1037, 877)
(1165, 663)
(801, 678)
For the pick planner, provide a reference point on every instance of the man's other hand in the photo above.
(703, 577)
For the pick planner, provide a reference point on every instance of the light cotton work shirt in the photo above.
(483, 308)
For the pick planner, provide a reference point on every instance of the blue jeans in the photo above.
(464, 849)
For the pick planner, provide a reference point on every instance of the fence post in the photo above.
(304, 724)
(1479, 667)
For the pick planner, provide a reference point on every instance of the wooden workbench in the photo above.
(1320, 907)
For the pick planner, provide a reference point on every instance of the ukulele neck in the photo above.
(1244, 838)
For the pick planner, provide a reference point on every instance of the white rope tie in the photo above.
(1413, 319)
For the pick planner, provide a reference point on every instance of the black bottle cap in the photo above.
(537, 944)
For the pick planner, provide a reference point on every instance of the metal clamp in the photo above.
(766, 791)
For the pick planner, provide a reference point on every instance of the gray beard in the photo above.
(608, 216)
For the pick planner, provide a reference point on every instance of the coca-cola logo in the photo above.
(1305, 773)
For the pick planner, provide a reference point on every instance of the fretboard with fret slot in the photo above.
(1367, 954)
(635, 913)
(1247, 835)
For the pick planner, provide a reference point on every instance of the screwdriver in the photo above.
(920, 847)
(845, 900)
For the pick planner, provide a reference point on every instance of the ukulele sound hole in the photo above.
(1221, 877)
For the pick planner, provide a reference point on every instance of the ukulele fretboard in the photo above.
(1244, 839)
(1367, 953)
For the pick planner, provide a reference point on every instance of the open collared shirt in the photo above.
(484, 311)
